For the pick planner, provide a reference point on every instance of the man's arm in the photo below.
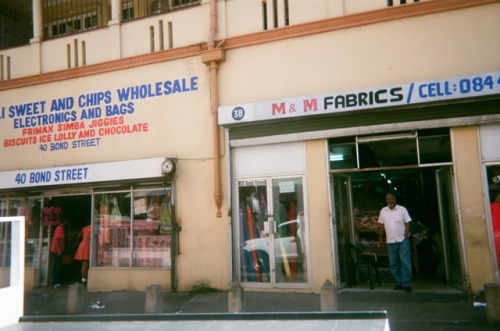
(381, 233)
(407, 230)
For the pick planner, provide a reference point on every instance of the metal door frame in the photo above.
(269, 199)
(457, 230)
(340, 283)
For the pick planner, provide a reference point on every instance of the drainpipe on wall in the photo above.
(211, 58)
(213, 24)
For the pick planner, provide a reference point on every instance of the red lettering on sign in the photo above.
(50, 216)
(310, 104)
(278, 108)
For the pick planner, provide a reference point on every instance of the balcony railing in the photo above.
(64, 17)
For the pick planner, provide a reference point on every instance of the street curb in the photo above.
(345, 315)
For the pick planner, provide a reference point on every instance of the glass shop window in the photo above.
(112, 229)
(434, 146)
(343, 154)
(396, 149)
(28, 207)
(387, 150)
(133, 228)
(493, 177)
(151, 228)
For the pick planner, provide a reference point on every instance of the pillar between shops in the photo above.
(492, 294)
(154, 300)
(74, 304)
(328, 297)
(116, 6)
(37, 20)
(235, 298)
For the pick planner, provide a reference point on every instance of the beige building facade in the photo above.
(252, 143)
(322, 90)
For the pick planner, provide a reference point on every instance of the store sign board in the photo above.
(80, 174)
(363, 99)
(88, 119)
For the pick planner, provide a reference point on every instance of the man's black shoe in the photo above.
(407, 289)
(398, 287)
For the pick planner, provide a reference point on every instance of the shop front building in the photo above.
(260, 155)
(349, 176)
(315, 150)
(132, 224)
(114, 150)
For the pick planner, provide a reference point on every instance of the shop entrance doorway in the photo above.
(427, 193)
(77, 210)
(273, 232)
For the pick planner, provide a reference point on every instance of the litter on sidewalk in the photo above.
(97, 305)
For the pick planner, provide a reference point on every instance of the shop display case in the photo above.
(367, 242)
(367, 232)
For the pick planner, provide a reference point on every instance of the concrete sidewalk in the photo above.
(373, 321)
(420, 310)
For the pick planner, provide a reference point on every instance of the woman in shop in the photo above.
(57, 250)
(83, 252)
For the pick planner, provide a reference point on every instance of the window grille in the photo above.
(183, 3)
(137, 9)
(65, 17)
(390, 3)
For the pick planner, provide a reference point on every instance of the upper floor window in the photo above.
(63, 17)
(391, 3)
(158, 6)
(133, 9)
(127, 10)
(181, 3)
(15, 23)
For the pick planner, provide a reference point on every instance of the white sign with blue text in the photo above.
(369, 98)
(87, 173)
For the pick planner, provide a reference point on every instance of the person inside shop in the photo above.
(56, 252)
(395, 227)
(83, 252)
